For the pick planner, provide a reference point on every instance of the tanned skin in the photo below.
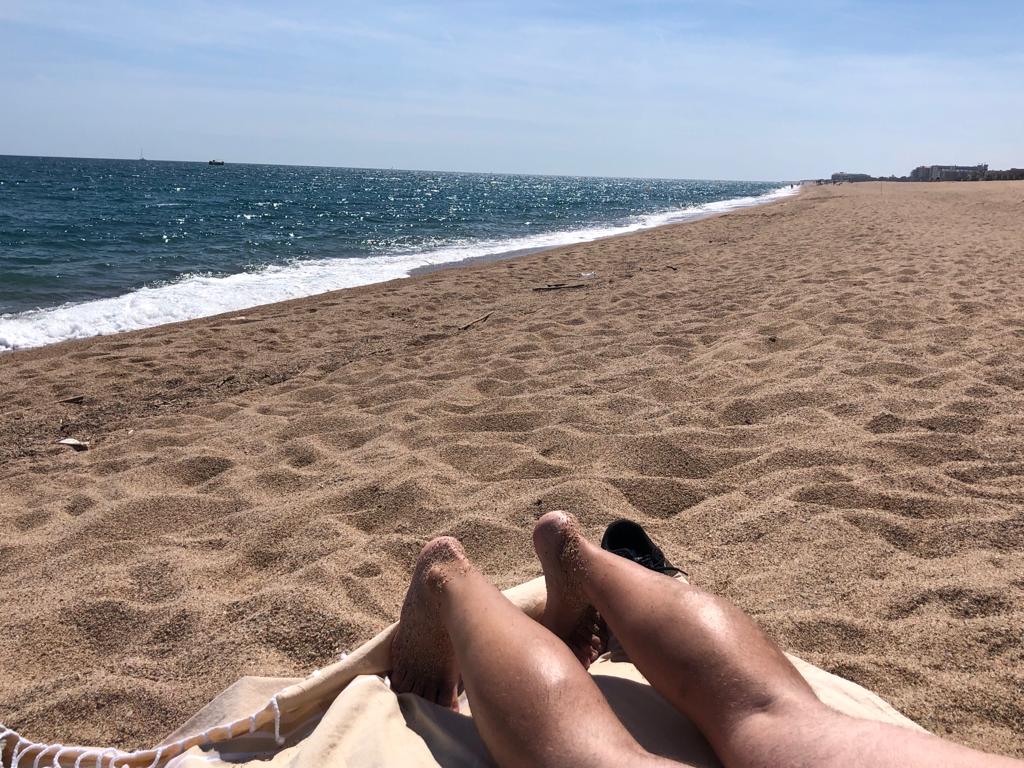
(534, 703)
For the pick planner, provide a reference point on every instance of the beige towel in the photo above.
(345, 715)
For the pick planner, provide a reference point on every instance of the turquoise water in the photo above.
(98, 246)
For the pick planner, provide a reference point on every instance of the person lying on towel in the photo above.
(534, 704)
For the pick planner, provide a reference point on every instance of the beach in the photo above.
(814, 407)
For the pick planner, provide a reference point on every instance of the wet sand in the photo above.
(815, 407)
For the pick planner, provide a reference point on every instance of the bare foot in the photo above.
(568, 614)
(422, 658)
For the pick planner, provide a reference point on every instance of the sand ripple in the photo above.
(815, 406)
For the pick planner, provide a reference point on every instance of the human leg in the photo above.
(533, 703)
(713, 664)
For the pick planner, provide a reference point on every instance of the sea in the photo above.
(91, 246)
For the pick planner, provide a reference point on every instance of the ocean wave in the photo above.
(195, 296)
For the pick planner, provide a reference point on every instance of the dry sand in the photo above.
(815, 406)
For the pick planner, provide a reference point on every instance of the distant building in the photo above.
(1012, 174)
(844, 176)
(949, 173)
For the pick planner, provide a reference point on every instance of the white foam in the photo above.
(196, 296)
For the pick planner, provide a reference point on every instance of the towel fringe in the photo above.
(120, 759)
(56, 758)
(369, 658)
(277, 719)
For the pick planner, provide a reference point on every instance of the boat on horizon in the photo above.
(216, 162)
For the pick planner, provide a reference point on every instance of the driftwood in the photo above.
(73, 399)
(471, 323)
(560, 286)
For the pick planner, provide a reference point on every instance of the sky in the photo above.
(726, 89)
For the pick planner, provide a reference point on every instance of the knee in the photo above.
(779, 731)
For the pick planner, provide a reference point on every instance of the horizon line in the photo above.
(409, 170)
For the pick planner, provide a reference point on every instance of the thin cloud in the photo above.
(723, 89)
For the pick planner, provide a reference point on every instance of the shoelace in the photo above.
(648, 561)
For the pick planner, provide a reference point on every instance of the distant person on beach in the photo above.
(535, 705)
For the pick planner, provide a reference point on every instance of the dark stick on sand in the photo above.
(471, 323)
(560, 286)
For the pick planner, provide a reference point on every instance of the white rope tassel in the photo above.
(20, 753)
(156, 760)
(56, 758)
(81, 757)
(277, 720)
(16, 753)
(6, 733)
(43, 751)
(103, 754)
(252, 724)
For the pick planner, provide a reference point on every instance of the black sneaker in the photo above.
(629, 540)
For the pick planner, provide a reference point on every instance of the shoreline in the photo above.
(841, 367)
(516, 253)
(69, 314)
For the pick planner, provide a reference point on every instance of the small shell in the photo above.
(78, 445)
